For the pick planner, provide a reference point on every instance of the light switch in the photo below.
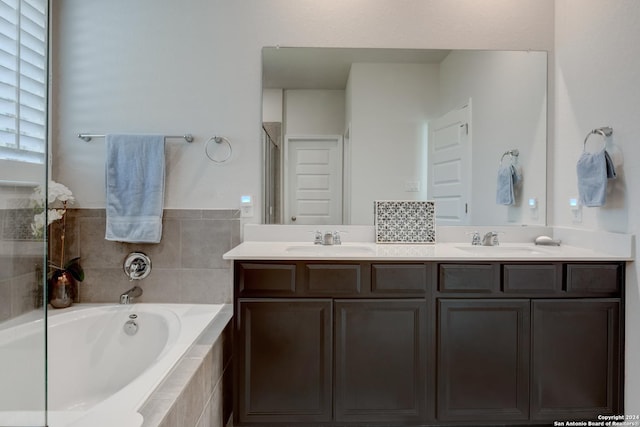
(412, 186)
(246, 206)
(533, 208)
(576, 210)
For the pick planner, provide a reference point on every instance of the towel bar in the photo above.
(89, 136)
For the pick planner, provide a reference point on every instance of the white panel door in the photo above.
(449, 154)
(313, 179)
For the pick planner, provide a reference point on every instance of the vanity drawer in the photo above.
(594, 278)
(325, 279)
(399, 278)
(528, 278)
(476, 278)
(272, 279)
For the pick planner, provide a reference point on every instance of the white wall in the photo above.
(390, 107)
(597, 84)
(162, 66)
(313, 112)
(272, 105)
(509, 106)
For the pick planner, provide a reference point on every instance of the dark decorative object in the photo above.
(63, 288)
(63, 278)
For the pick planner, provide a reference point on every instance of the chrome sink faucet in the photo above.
(328, 238)
(475, 238)
(490, 239)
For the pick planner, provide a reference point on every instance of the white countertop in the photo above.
(367, 251)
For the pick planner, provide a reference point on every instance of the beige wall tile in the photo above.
(154, 411)
(205, 418)
(187, 265)
(5, 299)
(208, 286)
(217, 408)
(204, 242)
(171, 420)
(191, 401)
(98, 252)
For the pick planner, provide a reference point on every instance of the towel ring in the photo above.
(217, 140)
(513, 153)
(604, 131)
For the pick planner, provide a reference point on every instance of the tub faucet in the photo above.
(128, 296)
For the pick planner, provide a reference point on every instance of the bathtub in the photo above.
(97, 374)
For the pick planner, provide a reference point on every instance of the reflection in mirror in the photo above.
(344, 127)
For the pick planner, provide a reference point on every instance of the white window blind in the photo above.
(23, 80)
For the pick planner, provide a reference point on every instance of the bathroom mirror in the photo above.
(343, 127)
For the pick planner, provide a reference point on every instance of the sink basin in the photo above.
(503, 250)
(343, 249)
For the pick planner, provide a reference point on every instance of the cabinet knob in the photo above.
(293, 218)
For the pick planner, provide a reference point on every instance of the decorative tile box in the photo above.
(405, 221)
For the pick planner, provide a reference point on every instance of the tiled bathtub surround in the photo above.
(187, 265)
(197, 392)
(19, 290)
(20, 269)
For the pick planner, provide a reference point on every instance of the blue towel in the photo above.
(593, 171)
(611, 170)
(135, 170)
(508, 178)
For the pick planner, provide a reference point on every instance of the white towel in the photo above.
(135, 171)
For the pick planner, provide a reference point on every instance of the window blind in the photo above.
(23, 80)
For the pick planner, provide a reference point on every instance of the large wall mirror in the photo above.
(344, 127)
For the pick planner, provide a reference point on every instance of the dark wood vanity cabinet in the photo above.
(325, 342)
(576, 358)
(483, 359)
(285, 364)
(380, 360)
(426, 343)
(517, 359)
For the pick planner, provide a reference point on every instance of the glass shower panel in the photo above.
(271, 132)
(22, 310)
(23, 254)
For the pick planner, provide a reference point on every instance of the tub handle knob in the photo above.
(137, 266)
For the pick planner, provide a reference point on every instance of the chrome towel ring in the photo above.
(218, 140)
(605, 131)
(513, 153)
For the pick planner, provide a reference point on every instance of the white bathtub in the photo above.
(97, 374)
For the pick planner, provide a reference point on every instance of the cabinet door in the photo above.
(380, 360)
(483, 360)
(576, 359)
(284, 366)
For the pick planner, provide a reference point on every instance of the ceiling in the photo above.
(328, 68)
